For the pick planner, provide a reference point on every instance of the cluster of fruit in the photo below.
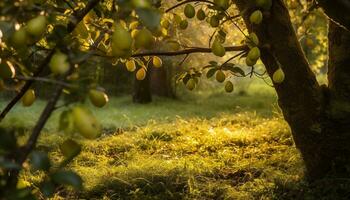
(141, 72)
(32, 32)
(252, 40)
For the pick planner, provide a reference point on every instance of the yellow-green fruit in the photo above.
(252, 40)
(59, 63)
(278, 76)
(254, 54)
(165, 23)
(157, 62)
(214, 21)
(218, 49)
(141, 74)
(85, 123)
(141, 3)
(7, 70)
(229, 87)
(144, 39)
(173, 45)
(250, 62)
(98, 98)
(220, 76)
(189, 11)
(121, 41)
(309, 42)
(19, 38)
(37, 26)
(265, 4)
(70, 148)
(200, 14)
(256, 17)
(28, 98)
(183, 24)
(223, 4)
(191, 84)
(130, 65)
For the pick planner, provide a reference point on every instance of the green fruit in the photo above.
(254, 54)
(7, 71)
(278, 76)
(86, 123)
(200, 14)
(121, 53)
(223, 4)
(59, 63)
(144, 39)
(265, 4)
(141, 74)
(229, 87)
(141, 3)
(28, 98)
(252, 40)
(98, 98)
(220, 76)
(218, 49)
(183, 24)
(250, 62)
(189, 11)
(130, 65)
(37, 26)
(70, 148)
(157, 62)
(214, 21)
(19, 38)
(121, 41)
(256, 17)
(191, 84)
(173, 45)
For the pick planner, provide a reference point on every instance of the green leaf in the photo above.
(47, 188)
(40, 161)
(211, 72)
(149, 17)
(7, 164)
(69, 178)
(237, 70)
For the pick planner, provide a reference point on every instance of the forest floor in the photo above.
(217, 146)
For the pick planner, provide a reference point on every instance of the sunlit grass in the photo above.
(204, 146)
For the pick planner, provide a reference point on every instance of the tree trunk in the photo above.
(161, 83)
(142, 90)
(303, 102)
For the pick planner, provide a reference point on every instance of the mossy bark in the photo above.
(304, 103)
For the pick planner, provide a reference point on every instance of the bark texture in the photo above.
(142, 90)
(161, 82)
(304, 103)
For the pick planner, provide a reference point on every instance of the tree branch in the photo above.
(46, 80)
(183, 52)
(187, 1)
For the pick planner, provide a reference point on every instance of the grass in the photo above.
(207, 146)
